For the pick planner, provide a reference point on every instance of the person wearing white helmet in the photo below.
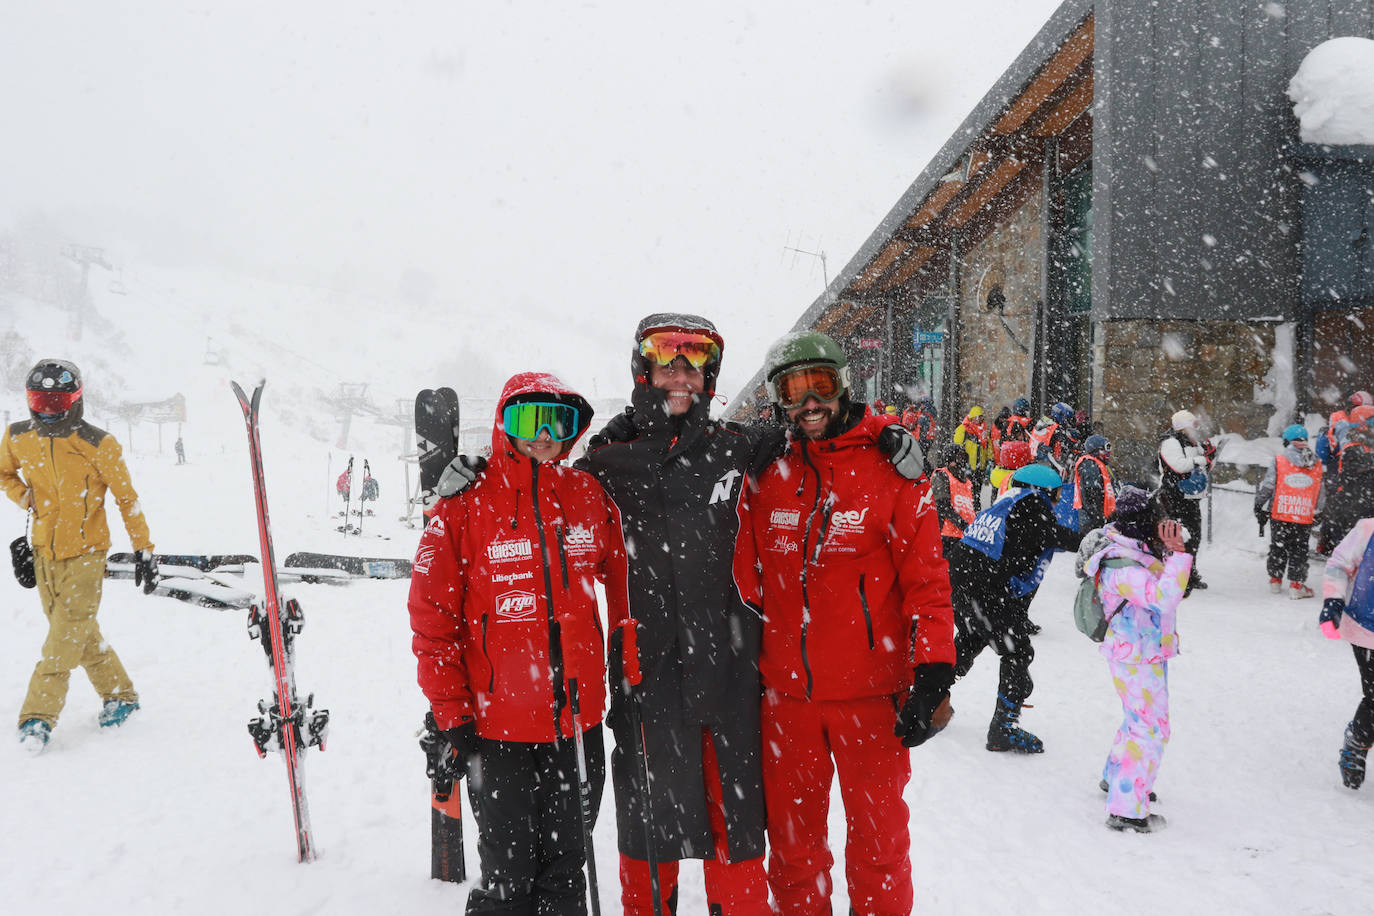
(1185, 463)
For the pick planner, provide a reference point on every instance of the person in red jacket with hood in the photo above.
(510, 644)
(842, 556)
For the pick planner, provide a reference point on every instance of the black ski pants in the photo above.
(525, 798)
(1188, 513)
(1288, 550)
(999, 621)
(1363, 723)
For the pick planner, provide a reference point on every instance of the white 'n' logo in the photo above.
(723, 488)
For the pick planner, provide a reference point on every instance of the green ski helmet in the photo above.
(799, 350)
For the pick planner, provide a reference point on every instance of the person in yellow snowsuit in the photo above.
(59, 467)
(975, 437)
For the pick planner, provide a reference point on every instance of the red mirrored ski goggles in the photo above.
(51, 402)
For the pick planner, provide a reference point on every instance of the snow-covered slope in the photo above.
(176, 813)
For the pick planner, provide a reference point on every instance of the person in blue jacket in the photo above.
(994, 571)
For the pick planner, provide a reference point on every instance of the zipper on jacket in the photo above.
(85, 508)
(806, 600)
(868, 617)
(491, 682)
(562, 557)
(555, 649)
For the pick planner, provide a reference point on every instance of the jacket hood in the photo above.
(1106, 543)
(536, 386)
(1301, 457)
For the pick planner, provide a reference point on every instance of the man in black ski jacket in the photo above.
(676, 476)
(995, 571)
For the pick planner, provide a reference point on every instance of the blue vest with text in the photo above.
(988, 535)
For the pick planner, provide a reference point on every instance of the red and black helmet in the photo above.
(53, 387)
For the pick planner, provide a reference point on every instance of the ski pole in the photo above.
(362, 496)
(585, 797)
(347, 495)
(629, 664)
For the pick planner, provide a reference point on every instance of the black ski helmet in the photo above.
(1098, 444)
(53, 387)
(675, 321)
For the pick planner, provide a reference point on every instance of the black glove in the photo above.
(902, 450)
(620, 428)
(1263, 518)
(145, 571)
(459, 475)
(462, 743)
(917, 720)
(772, 446)
(447, 752)
(1330, 618)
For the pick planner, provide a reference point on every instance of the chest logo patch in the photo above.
(515, 605)
(724, 488)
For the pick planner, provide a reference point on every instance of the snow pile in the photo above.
(1333, 92)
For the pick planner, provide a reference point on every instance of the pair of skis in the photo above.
(436, 441)
(369, 491)
(286, 725)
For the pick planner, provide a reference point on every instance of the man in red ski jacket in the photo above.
(842, 556)
(505, 623)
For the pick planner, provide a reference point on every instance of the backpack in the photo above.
(1088, 613)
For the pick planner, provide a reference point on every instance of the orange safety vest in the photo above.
(1017, 428)
(1108, 493)
(961, 496)
(1043, 435)
(1331, 442)
(1295, 491)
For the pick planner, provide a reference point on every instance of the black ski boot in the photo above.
(1352, 759)
(1005, 735)
(1147, 824)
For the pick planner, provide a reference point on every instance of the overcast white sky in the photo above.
(604, 158)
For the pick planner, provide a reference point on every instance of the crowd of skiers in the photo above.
(787, 602)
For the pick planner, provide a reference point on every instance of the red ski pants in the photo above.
(805, 742)
(732, 888)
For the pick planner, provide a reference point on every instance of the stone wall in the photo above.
(994, 366)
(1146, 370)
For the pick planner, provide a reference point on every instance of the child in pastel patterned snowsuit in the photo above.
(1348, 593)
(1141, 602)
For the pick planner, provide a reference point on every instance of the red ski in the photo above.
(287, 725)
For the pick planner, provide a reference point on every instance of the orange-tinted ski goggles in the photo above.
(822, 382)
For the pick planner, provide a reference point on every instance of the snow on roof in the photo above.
(1333, 92)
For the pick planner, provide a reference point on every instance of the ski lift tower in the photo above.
(350, 399)
(85, 255)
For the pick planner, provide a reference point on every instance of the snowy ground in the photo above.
(175, 812)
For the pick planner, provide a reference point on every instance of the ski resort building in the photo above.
(1128, 222)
